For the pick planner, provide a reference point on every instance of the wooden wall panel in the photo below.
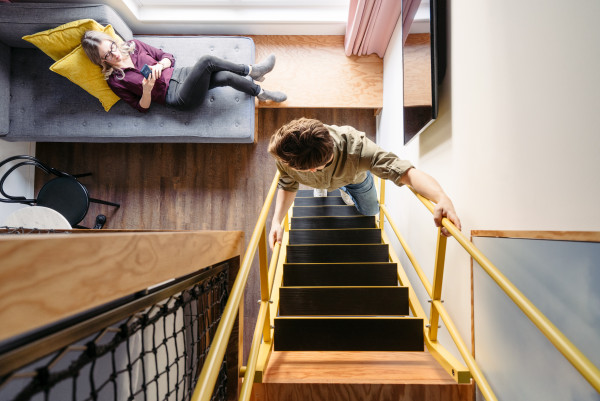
(45, 278)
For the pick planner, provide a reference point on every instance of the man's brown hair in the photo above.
(302, 144)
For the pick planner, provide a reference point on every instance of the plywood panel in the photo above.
(45, 278)
(314, 71)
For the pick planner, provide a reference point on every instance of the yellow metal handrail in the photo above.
(585, 367)
(210, 370)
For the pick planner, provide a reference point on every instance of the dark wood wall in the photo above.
(188, 186)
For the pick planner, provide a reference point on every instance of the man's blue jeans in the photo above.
(364, 196)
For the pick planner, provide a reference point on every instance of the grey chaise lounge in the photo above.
(38, 105)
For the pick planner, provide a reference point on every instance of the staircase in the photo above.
(339, 292)
(340, 297)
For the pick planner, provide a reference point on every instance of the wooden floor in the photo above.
(361, 376)
(314, 71)
(188, 186)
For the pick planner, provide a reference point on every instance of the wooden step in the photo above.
(343, 301)
(322, 201)
(348, 334)
(340, 274)
(333, 222)
(337, 253)
(357, 376)
(340, 236)
(309, 193)
(318, 211)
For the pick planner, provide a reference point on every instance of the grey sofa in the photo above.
(38, 105)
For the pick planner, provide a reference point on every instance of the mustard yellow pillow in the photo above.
(60, 41)
(79, 69)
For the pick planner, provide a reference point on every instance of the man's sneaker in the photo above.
(346, 198)
(319, 193)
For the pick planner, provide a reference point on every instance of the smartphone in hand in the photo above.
(146, 71)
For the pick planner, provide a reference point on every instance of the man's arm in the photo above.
(282, 204)
(428, 187)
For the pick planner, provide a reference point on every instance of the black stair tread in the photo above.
(328, 210)
(340, 274)
(348, 334)
(333, 222)
(325, 200)
(337, 253)
(309, 193)
(338, 236)
(347, 301)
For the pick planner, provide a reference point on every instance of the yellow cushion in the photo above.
(60, 41)
(79, 69)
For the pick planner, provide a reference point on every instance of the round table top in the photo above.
(39, 217)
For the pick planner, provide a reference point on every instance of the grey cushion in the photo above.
(46, 107)
(4, 88)
(20, 19)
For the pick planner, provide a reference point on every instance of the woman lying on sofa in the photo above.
(183, 88)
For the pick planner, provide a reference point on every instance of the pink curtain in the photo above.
(370, 26)
(410, 8)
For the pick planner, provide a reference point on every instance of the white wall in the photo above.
(517, 139)
(20, 182)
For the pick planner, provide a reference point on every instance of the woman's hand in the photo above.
(157, 70)
(147, 86)
(148, 83)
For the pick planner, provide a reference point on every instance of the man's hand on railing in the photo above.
(275, 235)
(426, 186)
(282, 205)
(445, 208)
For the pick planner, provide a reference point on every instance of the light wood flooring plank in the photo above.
(364, 376)
(354, 367)
(314, 71)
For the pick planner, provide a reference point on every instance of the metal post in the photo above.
(381, 202)
(436, 291)
(265, 291)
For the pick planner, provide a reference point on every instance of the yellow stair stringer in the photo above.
(266, 348)
(459, 372)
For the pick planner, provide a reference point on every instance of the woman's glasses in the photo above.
(111, 52)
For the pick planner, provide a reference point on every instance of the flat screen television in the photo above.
(424, 65)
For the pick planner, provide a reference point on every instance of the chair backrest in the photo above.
(29, 161)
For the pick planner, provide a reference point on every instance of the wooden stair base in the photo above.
(357, 376)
